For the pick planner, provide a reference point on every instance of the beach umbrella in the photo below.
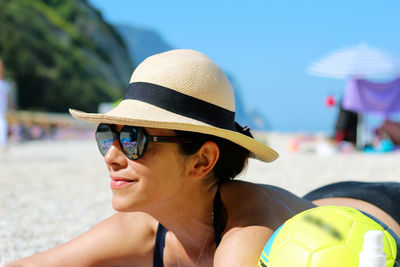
(361, 61)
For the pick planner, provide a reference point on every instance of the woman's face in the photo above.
(138, 185)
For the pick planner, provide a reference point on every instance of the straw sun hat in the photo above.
(181, 90)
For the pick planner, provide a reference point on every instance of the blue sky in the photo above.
(268, 45)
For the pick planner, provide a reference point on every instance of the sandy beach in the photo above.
(52, 191)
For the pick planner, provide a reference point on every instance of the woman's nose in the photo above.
(115, 156)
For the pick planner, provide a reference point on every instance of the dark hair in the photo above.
(232, 157)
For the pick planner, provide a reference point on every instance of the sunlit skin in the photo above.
(153, 179)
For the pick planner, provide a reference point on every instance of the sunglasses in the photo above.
(133, 140)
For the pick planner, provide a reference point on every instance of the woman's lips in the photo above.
(117, 183)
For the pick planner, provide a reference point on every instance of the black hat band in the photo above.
(182, 104)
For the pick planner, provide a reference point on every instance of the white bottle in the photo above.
(372, 254)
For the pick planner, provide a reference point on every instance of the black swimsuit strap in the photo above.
(158, 253)
(217, 217)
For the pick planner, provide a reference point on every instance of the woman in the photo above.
(172, 149)
(173, 188)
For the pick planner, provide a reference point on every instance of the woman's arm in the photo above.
(122, 238)
(242, 247)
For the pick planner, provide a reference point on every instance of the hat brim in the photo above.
(137, 113)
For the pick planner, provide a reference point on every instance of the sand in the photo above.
(52, 191)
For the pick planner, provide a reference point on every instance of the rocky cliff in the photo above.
(61, 53)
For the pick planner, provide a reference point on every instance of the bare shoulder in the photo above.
(253, 213)
(122, 238)
(249, 203)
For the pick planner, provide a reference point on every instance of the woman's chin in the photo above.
(122, 205)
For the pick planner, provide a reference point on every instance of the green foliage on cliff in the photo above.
(62, 54)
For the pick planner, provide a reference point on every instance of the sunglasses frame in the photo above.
(147, 139)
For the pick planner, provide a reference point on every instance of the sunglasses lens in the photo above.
(133, 141)
(104, 138)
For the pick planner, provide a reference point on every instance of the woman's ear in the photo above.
(204, 160)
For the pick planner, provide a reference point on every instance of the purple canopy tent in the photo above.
(370, 97)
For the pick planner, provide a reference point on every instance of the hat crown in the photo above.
(188, 72)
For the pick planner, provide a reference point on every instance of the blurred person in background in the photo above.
(4, 101)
